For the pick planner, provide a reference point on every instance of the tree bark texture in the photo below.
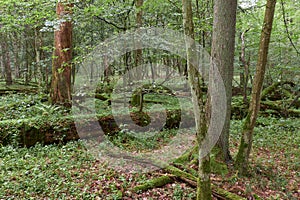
(6, 62)
(242, 159)
(139, 24)
(222, 55)
(61, 66)
(203, 182)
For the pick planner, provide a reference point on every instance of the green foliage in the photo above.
(30, 173)
(21, 110)
(275, 155)
(283, 57)
(33, 13)
(150, 141)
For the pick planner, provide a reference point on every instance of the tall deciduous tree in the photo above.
(139, 24)
(242, 159)
(203, 182)
(6, 61)
(61, 66)
(222, 54)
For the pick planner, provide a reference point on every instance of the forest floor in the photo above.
(70, 172)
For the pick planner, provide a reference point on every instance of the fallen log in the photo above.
(175, 173)
(272, 88)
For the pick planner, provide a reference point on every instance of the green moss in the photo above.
(186, 157)
(216, 164)
(204, 190)
(156, 182)
(227, 195)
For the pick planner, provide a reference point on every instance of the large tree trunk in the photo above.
(249, 124)
(203, 181)
(222, 54)
(61, 66)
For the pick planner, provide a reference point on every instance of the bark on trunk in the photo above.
(6, 62)
(203, 180)
(244, 75)
(222, 53)
(17, 49)
(61, 66)
(139, 24)
(242, 159)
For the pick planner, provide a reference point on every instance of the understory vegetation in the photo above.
(136, 99)
(70, 172)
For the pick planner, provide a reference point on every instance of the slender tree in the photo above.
(203, 182)
(242, 160)
(139, 24)
(222, 54)
(61, 66)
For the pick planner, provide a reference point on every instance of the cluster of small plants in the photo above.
(32, 110)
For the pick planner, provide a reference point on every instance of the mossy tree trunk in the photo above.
(222, 54)
(242, 158)
(203, 181)
(61, 66)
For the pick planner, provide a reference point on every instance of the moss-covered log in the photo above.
(14, 90)
(281, 108)
(153, 183)
(269, 90)
(184, 177)
(47, 134)
(278, 108)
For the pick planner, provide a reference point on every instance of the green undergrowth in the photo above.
(33, 111)
(142, 141)
(275, 157)
(68, 171)
(49, 171)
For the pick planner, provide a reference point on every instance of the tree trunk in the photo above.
(17, 49)
(203, 181)
(6, 62)
(37, 51)
(139, 24)
(222, 54)
(244, 75)
(61, 66)
(249, 124)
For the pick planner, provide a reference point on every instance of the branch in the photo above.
(111, 23)
(286, 28)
